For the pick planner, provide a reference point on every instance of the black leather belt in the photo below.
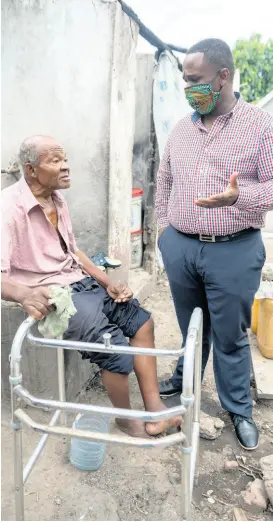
(218, 239)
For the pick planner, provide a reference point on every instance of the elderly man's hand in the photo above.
(121, 293)
(35, 302)
(226, 199)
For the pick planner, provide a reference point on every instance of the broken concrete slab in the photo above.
(254, 499)
(266, 464)
(210, 427)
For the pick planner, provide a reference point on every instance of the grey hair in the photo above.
(29, 153)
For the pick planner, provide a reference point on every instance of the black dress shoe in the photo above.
(246, 431)
(167, 389)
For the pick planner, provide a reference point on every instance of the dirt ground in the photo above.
(136, 484)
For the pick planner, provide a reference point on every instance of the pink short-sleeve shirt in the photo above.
(32, 254)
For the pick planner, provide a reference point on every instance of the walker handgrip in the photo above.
(96, 347)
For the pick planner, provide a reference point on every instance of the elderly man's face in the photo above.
(53, 171)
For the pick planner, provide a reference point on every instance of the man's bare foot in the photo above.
(134, 428)
(156, 428)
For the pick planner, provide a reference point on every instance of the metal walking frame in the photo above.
(189, 408)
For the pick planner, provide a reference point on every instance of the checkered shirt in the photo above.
(198, 163)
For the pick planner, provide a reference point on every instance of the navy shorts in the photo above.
(97, 314)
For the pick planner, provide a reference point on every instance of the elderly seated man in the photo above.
(39, 249)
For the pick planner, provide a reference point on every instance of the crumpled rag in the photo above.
(56, 322)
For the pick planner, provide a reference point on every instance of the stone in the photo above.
(254, 498)
(210, 427)
(266, 464)
(230, 465)
(219, 424)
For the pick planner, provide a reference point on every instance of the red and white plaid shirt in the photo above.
(198, 163)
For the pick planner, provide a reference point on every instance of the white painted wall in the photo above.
(122, 125)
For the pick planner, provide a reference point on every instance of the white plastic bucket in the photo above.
(136, 249)
(136, 214)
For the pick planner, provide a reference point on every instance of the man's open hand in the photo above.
(226, 199)
(121, 293)
(35, 302)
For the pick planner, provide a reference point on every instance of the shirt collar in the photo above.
(29, 199)
(196, 116)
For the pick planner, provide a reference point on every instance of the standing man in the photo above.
(214, 187)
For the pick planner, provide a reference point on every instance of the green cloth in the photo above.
(56, 322)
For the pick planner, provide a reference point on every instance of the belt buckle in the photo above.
(207, 239)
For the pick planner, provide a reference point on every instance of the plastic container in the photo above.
(136, 214)
(136, 249)
(265, 328)
(254, 316)
(84, 454)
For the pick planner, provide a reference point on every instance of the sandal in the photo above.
(100, 259)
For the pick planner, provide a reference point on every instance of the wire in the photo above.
(147, 34)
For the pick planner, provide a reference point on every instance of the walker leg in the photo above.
(186, 467)
(186, 487)
(18, 472)
(62, 394)
(197, 402)
(196, 476)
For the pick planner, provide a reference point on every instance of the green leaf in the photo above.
(254, 59)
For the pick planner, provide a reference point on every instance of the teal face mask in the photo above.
(202, 98)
